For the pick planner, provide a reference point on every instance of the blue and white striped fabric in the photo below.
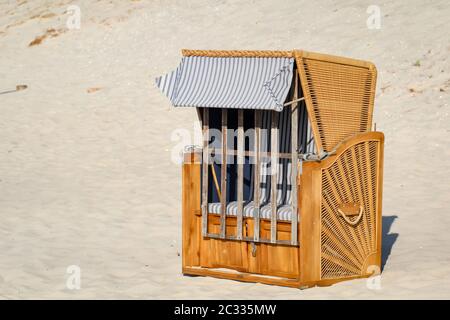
(238, 82)
(284, 212)
(305, 134)
(284, 179)
(284, 184)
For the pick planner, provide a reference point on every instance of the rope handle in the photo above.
(356, 221)
(216, 183)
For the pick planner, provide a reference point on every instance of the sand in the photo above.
(86, 170)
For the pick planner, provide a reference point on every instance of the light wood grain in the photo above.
(274, 175)
(223, 175)
(257, 167)
(205, 132)
(240, 172)
(294, 162)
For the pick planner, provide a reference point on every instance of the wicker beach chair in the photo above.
(287, 186)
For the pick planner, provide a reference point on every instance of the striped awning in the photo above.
(229, 82)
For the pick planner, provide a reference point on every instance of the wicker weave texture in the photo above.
(238, 53)
(352, 179)
(339, 94)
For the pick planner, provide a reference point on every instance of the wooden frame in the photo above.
(276, 263)
(223, 175)
(240, 162)
(335, 230)
(274, 176)
(257, 196)
(294, 162)
(205, 169)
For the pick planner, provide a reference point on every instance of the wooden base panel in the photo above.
(256, 278)
(241, 276)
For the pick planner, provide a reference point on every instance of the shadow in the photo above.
(19, 87)
(9, 91)
(388, 239)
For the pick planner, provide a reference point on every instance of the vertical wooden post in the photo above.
(223, 175)
(294, 164)
(310, 237)
(191, 195)
(257, 166)
(274, 176)
(240, 172)
(205, 171)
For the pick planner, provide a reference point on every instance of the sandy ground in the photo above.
(86, 178)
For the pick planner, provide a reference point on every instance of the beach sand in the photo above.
(86, 170)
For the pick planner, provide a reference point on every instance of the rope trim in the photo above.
(238, 53)
(279, 105)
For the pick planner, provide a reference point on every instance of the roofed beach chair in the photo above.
(287, 186)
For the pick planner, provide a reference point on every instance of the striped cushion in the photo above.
(284, 212)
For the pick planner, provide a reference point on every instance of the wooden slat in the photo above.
(205, 171)
(294, 151)
(295, 100)
(281, 242)
(262, 154)
(191, 195)
(274, 175)
(223, 175)
(242, 276)
(257, 166)
(240, 172)
(228, 237)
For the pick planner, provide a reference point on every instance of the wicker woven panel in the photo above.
(351, 179)
(339, 95)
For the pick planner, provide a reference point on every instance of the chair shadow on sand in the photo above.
(388, 239)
